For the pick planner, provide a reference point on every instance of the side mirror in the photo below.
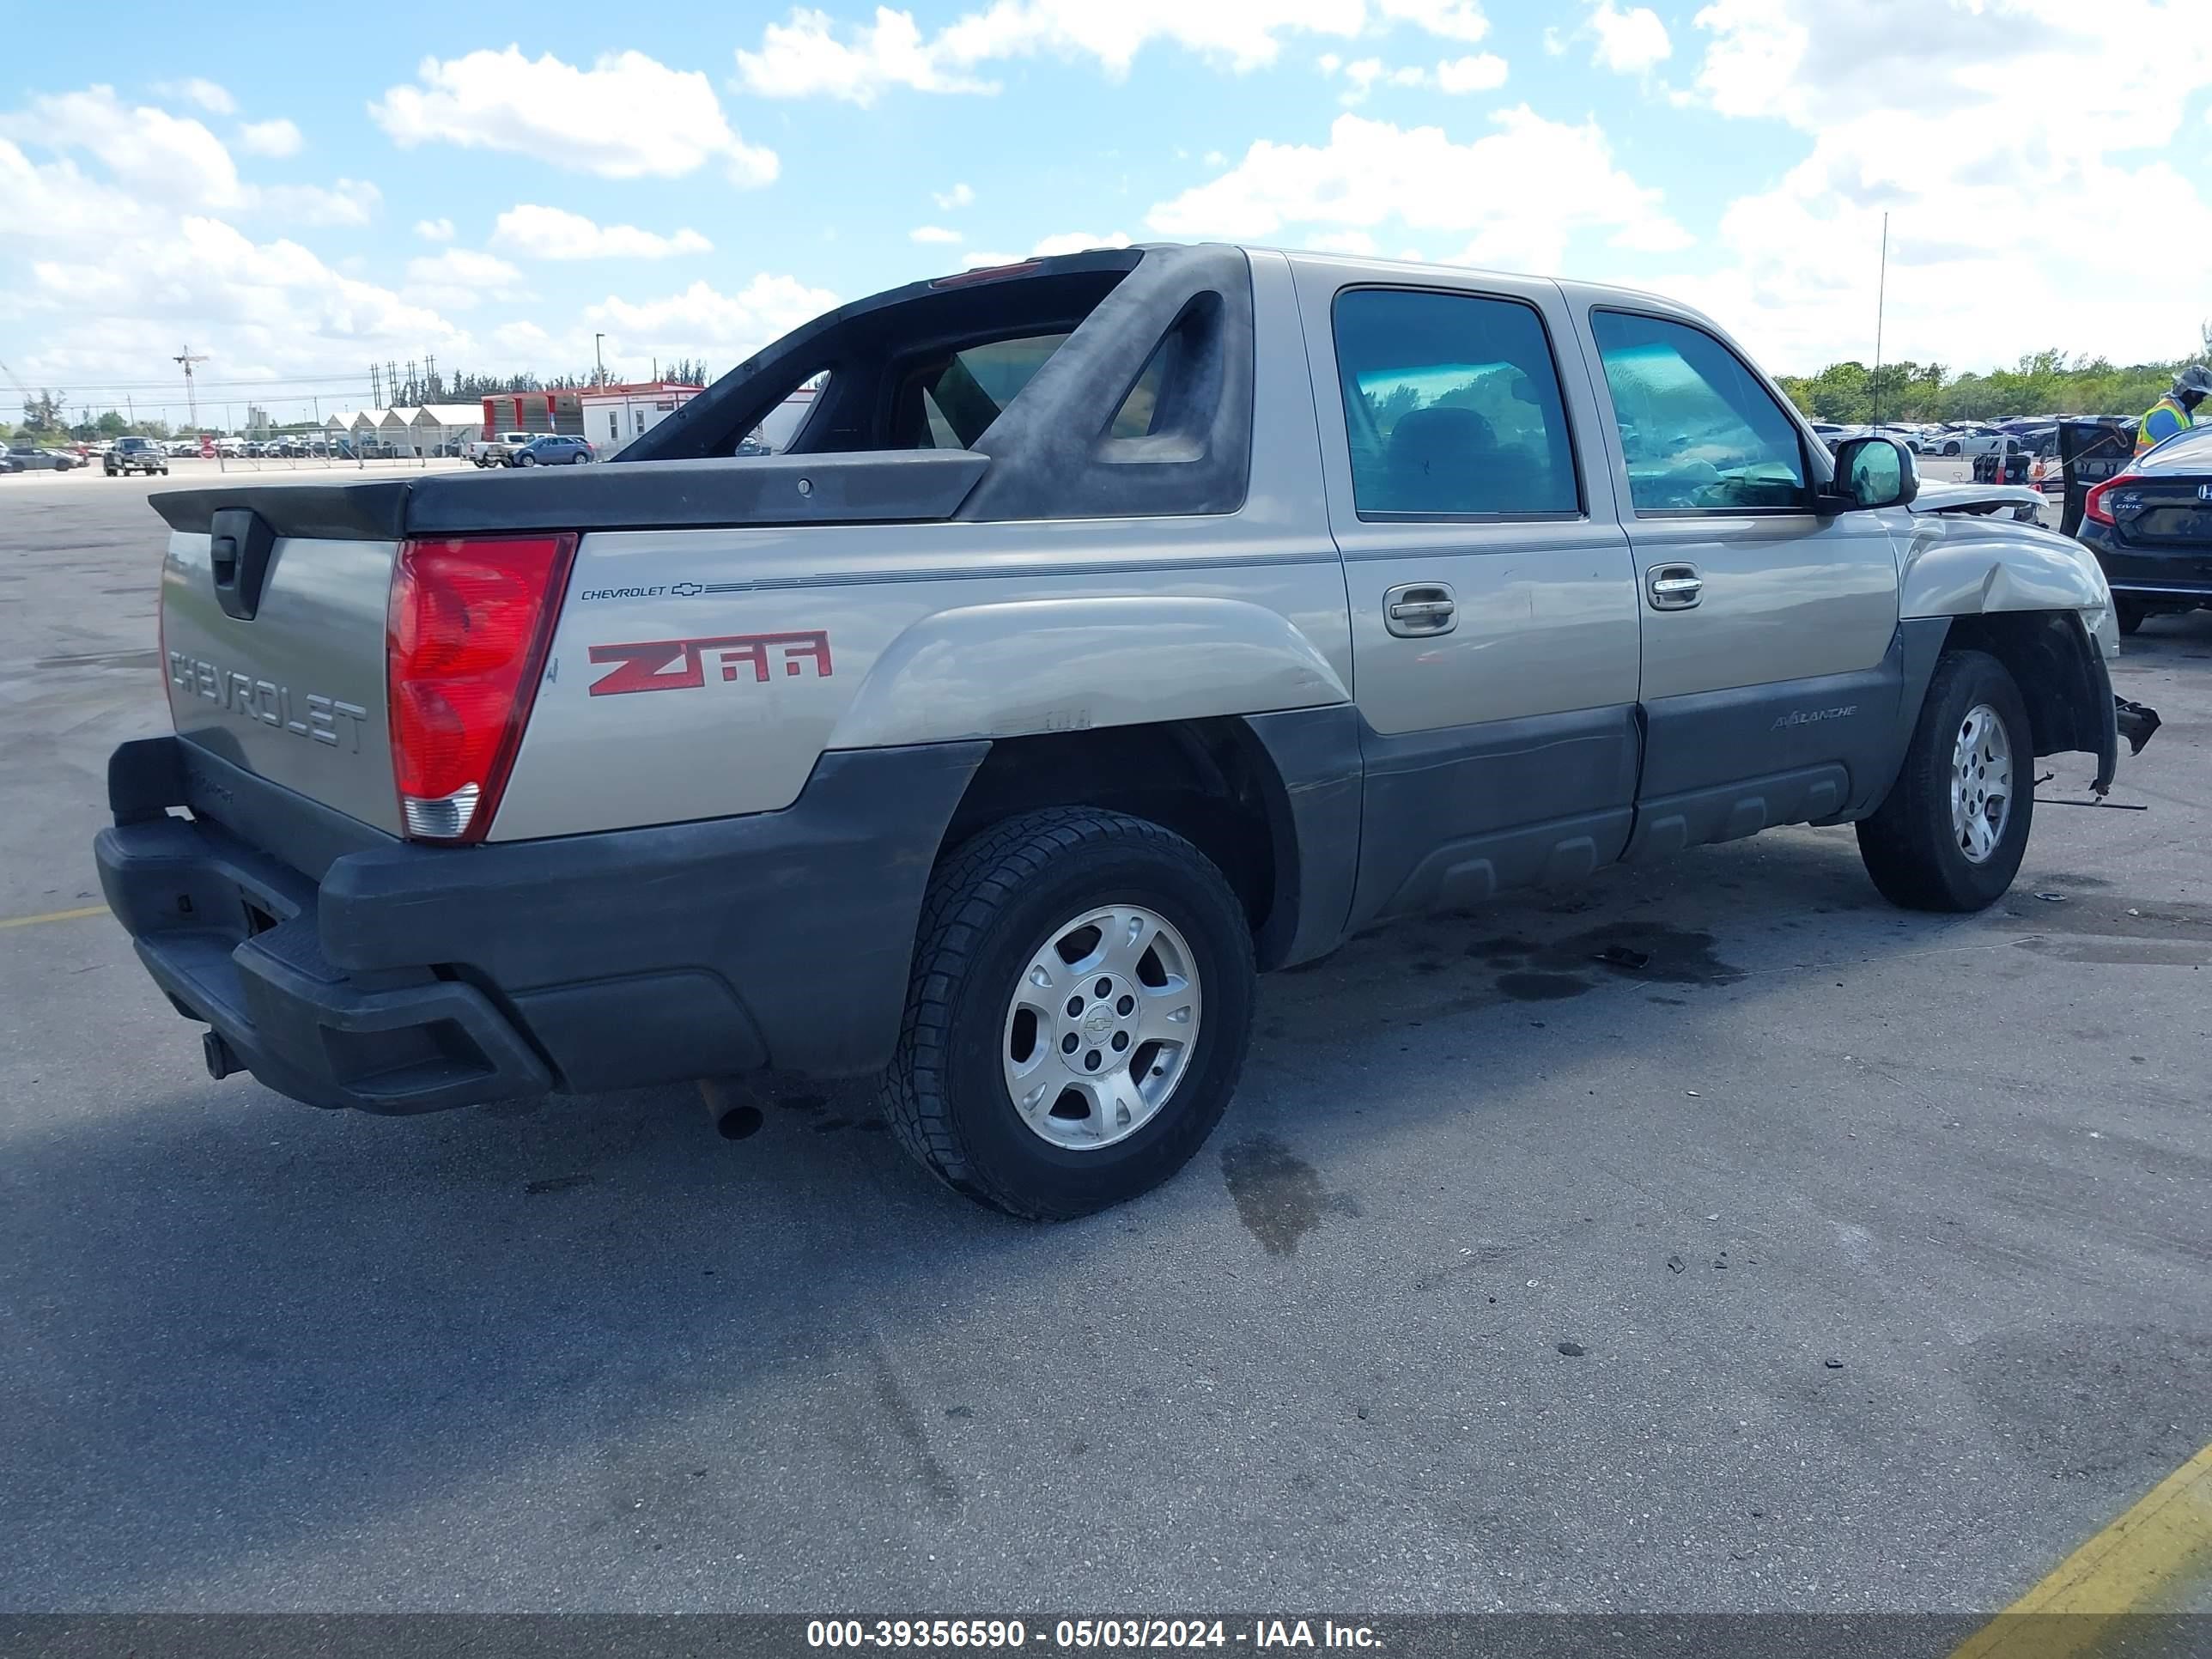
(1871, 473)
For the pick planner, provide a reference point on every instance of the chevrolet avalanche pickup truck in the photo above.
(1116, 625)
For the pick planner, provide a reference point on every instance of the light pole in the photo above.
(599, 357)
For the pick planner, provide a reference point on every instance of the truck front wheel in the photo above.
(1078, 1013)
(1950, 834)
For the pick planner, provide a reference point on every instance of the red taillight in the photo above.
(2092, 504)
(464, 645)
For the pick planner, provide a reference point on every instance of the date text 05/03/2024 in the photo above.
(1113, 1634)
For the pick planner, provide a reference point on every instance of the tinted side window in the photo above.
(1453, 407)
(1700, 432)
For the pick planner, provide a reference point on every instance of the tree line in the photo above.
(2041, 383)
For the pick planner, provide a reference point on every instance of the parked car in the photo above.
(136, 455)
(553, 449)
(33, 460)
(9, 460)
(1013, 832)
(2150, 526)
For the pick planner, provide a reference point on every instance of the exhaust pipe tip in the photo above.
(735, 1116)
(222, 1059)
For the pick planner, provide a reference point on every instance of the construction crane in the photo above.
(21, 391)
(192, 398)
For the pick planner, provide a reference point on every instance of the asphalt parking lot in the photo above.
(1831, 1258)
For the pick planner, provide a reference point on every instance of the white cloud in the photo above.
(1477, 72)
(460, 278)
(550, 233)
(276, 138)
(349, 202)
(1452, 20)
(2005, 140)
(1629, 42)
(56, 202)
(256, 309)
(645, 120)
(959, 196)
(461, 264)
(1076, 241)
(216, 99)
(702, 322)
(435, 230)
(1521, 191)
(932, 234)
(805, 57)
(156, 155)
(166, 163)
(810, 54)
(1356, 242)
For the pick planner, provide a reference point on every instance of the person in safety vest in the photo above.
(2177, 410)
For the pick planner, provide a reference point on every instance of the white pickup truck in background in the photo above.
(495, 452)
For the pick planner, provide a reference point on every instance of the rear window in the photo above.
(951, 402)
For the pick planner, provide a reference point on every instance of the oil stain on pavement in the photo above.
(1279, 1195)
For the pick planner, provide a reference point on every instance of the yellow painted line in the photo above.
(2143, 1563)
(52, 915)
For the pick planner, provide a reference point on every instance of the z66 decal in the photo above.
(681, 664)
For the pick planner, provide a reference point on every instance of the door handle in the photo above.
(1416, 609)
(1675, 587)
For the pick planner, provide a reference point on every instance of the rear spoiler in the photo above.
(888, 486)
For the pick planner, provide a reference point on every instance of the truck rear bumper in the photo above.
(401, 978)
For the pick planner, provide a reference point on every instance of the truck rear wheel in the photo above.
(1950, 834)
(1078, 1013)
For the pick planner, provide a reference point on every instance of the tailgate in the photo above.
(290, 687)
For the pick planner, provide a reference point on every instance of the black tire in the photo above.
(2130, 614)
(1908, 845)
(525, 460)
(990, 907)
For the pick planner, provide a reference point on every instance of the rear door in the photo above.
(1770, 675)
(1492, 599)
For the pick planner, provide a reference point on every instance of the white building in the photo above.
(442, 428)
(395, 431)
(616, 414)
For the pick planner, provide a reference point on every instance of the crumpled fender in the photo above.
(1002, 670)
(1966, 566)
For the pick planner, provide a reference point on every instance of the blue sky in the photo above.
(297, 191)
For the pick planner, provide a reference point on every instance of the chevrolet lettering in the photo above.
(312, 715)
(1113, 628)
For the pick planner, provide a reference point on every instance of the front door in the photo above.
(1492, 599)
(1771, 671)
